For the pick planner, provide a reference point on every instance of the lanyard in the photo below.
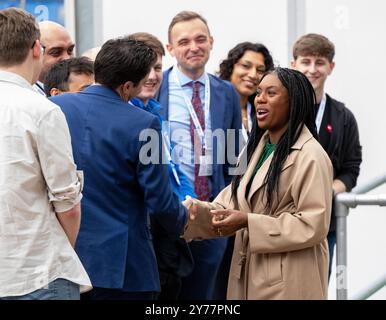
(193, 114)
(250, 123)
(39, 88)
(166, 141)
(322, 108)
(245, 134)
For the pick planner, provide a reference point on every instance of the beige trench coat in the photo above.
(282, 254)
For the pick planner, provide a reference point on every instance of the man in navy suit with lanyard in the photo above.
(196, 105)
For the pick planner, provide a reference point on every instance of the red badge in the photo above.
(329, 128)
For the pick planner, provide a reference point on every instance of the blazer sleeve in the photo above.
(352, 153)
(309, 224)
(161, 202)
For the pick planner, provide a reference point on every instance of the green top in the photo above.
(267, 151)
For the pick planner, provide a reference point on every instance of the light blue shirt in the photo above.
(179, 118)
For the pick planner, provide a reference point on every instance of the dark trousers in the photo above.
(115, 294)
(331, 238)
(170, 287)
(221, 286)
(207, 255)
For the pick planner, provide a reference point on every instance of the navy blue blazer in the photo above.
(120, 193)
(225, 114)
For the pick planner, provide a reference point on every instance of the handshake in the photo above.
(206, 221)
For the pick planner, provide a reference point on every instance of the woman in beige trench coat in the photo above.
(280, 207)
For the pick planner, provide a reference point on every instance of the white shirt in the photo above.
(179, 118)
(38, 179)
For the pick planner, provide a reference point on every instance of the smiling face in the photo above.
(58, 46)
(247, 73)
(272, 107)
(316, 69)
(153, 83)
(191, 44)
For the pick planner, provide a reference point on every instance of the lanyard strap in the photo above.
(166, 141)
(250, 124)
(39, 88)
(245, 134)
(250, 120)
(193, 114)
(322, 109)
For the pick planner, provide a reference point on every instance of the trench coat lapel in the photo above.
(244, 206)
(258, 181)
(244, 200)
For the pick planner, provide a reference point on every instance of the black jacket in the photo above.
(339, 137)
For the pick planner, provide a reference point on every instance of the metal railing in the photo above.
(371, 289)
(343, 203)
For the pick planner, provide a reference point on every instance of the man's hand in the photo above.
(228, 222)
(191, 206)
(338, 187)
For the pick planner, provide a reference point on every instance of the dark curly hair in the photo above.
(235, 54)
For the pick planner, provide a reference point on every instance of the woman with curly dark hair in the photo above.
(245, 65)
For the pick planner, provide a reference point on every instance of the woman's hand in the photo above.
(228, 222)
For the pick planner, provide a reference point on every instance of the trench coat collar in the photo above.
(244, 200)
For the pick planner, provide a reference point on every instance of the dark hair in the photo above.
(121, 60)
(301, 99)
(235, 54)
(185, 16)
(19, 31)
(58, 76)
(313, 44)
(150, 40)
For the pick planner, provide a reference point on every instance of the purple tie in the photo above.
(201, 184)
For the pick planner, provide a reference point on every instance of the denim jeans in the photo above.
(57, 290)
